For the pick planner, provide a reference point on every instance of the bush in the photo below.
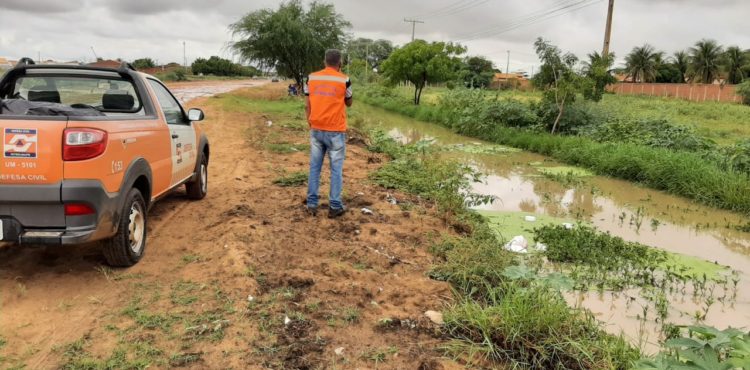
(743, 90)
(651, 132)
(577, 116)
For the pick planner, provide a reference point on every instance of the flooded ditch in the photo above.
(527, 184)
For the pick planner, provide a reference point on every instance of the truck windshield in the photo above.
(79, 96)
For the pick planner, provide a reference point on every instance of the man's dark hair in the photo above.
(333, 57)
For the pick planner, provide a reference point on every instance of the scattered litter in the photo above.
(518, 245)
(568, 225)
(530, 218)
(360, 193)
(250, 298)
(391, 199)
(374, 303)
(367, 211)
(269, 123)
(287, 320)
(226, 246)
(435, 317)
(541, 247)
(357, 232)
(339, 351)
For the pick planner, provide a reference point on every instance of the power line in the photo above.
(444, 8)
(458, 10)
(564, 7)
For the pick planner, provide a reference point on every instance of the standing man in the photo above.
(327, 94)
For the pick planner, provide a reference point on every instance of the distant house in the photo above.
(6, 64)
(510, 81)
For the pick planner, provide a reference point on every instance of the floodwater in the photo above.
(622, 208)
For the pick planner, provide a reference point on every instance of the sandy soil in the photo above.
(221, 276)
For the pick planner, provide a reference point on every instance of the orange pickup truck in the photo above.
(87, 151)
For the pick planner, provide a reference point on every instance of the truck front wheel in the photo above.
(126, 248)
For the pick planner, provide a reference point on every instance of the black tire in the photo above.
(124, 249)
(197, 189)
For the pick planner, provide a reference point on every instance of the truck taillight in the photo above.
(78, 209)
(83, 143)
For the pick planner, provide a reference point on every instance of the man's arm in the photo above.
(349, 97)
(308, 108)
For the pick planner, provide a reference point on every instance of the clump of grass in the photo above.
(293, 179)
(287, 148)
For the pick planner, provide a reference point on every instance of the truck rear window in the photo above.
(76, 96)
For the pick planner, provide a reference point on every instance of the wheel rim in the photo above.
(204, 178)
(136, 228)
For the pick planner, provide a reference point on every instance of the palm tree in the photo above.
(705, 64)
(642, 63)
(681, 61)
(735, 62)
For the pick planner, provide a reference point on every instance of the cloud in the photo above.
(42, 6)
(131, 29)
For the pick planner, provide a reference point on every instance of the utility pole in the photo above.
(38, 56)
(413, 26)
(507, 65)
(96, 57)
(184, 55)
(608, 30)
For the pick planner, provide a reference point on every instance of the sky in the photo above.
(130, 29)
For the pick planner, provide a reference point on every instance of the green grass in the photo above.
(287, 148)
(293, 179)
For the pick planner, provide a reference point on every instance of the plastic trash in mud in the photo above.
(541, 247)
(568, 225)
(367, 211)
(518, 245)
(269, 123)
(530, 218)
(391, 199)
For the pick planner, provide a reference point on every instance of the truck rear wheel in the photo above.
(198, 188)
(126, 248)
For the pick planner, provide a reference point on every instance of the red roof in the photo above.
(106, 64)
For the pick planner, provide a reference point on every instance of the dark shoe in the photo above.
(313, 211)
(336, 212)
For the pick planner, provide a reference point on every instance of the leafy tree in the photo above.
(292, 39)
(681, 62)
(420, 62)
(705, 61)
(599, 73)
(736, 61)
(374, 51)
(642, 63)
(220, 67)
(743, 90)
(477, 72)
(144, 63)
(557, 76)
(669, 73)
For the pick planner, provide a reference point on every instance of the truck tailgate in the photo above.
(32, 152)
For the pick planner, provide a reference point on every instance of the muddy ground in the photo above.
(243, 279)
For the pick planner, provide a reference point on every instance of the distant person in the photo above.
(292, 90)
(327, 94)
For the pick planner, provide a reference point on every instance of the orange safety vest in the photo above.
(327, 90)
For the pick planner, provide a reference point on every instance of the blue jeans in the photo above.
(334, 143)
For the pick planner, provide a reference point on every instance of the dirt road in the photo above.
(243, 279)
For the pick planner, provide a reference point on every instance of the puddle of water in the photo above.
(186, 92)
(622, 208)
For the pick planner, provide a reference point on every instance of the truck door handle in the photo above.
(175, 136)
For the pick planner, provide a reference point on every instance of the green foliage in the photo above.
(420, 63)
(535, 328)
(736, 62)
(656, 133)
(374, 51)
(643, 62)
(584, 245)
(221, 67)
(293, 179)
(477, 72)
(292, 39)
(705, 61)
(705, 348)
(144, 63)
(598, 72)
(743, 90)
(558, 78)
